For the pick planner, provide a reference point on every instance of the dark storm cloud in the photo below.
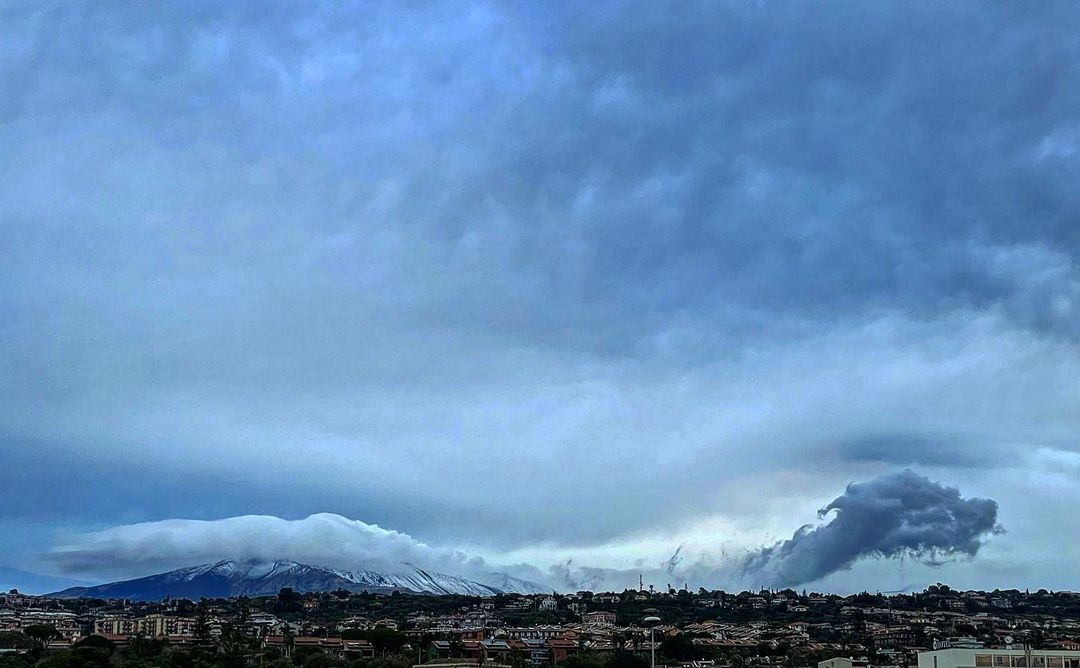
(361, 250)
(899, 514)
(779, 158)
(911, 449)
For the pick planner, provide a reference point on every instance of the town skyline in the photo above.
(629, 629)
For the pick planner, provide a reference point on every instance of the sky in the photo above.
(574, 291)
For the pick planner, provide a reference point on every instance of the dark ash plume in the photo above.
(674, 561)
(898, 514)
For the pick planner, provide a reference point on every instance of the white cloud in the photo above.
(323, 539)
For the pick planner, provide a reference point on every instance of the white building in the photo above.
(843, 662)
(999, 658)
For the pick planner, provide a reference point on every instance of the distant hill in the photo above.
(230, 578)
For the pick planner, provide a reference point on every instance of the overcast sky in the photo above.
(535, 282)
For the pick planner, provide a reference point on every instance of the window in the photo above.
(1054, 662)
(984, 660)
(1019, 662)
(1038, 661)
(1000, 661)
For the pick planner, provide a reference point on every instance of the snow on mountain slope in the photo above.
(431, 582)
(508, 584)
(230, 578)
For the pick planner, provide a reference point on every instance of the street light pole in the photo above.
(652, 621)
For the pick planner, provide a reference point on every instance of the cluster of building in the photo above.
(933, 629)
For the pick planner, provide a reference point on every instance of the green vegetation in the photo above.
(97, 652)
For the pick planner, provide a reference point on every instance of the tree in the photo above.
(202, 622)
(288, 600)
(382, 640)
(388, 661)
(96, 642)
(61, 660)
(322, 660)
(174, 658)
(89, 657)
(41, 635)
(680, 648)
(14, 640)
(234, 648)
(243, 611)
(624, 659)
(583, 660)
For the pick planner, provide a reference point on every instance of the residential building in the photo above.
(154, 626)
(843, 662)
(999, 658)
(599, 618)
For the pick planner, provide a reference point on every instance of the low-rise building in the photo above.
(999, 658)
(599, 618)
(843, 662)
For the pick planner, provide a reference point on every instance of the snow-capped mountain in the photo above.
(231, 578)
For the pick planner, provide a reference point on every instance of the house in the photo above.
(357, 649)
(332, 646)
(438, 649)
(561, 648)
(843, 662)
(599, 618)
(355, 623)
(894, 636)
(494, 651)
(542, 632)
(533, 650)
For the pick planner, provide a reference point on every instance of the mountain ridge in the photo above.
(229, 578)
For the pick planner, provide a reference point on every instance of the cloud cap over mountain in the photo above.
(324, 539)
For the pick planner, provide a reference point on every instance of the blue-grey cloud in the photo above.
(33, 583)
(899, 514)
(919, 449)
(288, 259)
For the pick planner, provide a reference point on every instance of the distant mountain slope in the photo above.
(230, 578)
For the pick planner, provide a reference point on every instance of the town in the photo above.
(935, 628)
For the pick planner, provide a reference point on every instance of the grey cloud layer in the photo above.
(391, 261)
